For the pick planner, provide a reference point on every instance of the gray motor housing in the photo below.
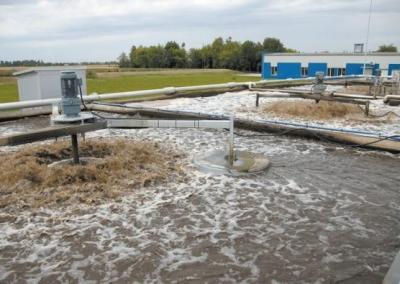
(70, 103)
(319, 87)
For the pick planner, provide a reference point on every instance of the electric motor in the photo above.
(319, 87)
(70, 103)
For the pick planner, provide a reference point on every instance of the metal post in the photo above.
(75, 150)
(231, 135)
(367, 108)
(257, 99)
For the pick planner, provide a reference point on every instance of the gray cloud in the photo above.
(101, 29)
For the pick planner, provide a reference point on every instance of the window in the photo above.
(274, 70)
(304, 71)
(341, 71)
(331, 72)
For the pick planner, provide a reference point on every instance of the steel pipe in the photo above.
(162, 91)
(120, 95)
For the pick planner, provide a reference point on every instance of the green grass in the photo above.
(124, 83)
(8, 92)
(145, 82)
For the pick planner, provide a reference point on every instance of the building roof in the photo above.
(333, 54)
(49, 68)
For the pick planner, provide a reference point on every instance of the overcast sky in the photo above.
(99, 30)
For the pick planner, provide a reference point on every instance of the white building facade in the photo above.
(45, 82)
(300, 65)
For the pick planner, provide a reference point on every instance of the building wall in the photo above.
(314, 67)
(393, 67)
(266, 70)
(28, 87)
(50, 82)
(354, 68)
(335, 62)
(45, 84)
(289, 70)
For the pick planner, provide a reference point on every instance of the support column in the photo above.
(231, 153)
(367, 108)
(75, 149)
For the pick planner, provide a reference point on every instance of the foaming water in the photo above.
(319, 214)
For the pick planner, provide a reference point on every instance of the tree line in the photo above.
(387, 48)
(32, 63)
(229, 54)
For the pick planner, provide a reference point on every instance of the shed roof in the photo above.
(49, 68)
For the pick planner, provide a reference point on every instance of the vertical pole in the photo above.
(75, 150)
(257, 99)
(367, 108)
(231, 134)
(366, 41)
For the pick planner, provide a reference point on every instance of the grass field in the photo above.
(132, 81)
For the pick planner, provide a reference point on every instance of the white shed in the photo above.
(45, 82)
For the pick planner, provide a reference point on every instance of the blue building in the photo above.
(302, 65)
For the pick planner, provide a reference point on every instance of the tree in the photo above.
(271, 44)
(195, 58)
(248, 56)
(230, 55)
(171, 45)
(387, 48)
(123, 60)
(139, 57)
(155, 56)
(207, 56)
(291, 50)
(175, 56)
(216, 48)
(132, 55)
(220, 53)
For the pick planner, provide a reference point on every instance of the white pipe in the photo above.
(28, 104)
(155, 123)
(121, 95)
(95, 97)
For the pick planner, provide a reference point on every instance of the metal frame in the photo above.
(156, 123)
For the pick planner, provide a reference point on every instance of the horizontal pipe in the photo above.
(391, 97)
(120, 95)
(162, 91)
(12, 115)
(155, 123)
(311, 96)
